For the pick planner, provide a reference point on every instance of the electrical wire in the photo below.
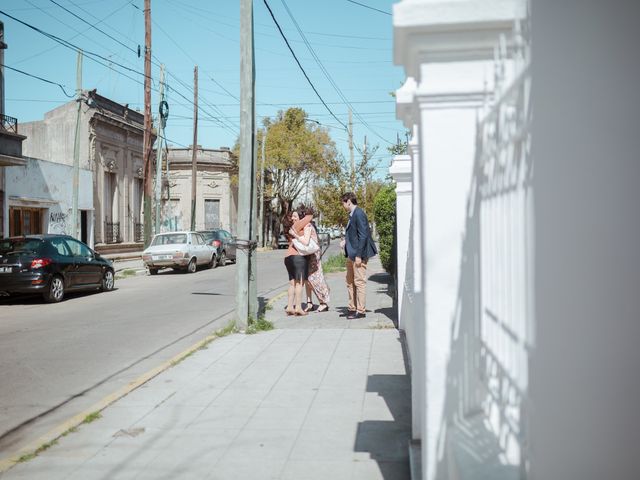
(328, 75)
(369, 7)
(300, 65)
(39, 78)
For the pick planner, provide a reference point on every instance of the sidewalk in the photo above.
(319, 397)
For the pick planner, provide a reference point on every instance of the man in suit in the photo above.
(358, 247)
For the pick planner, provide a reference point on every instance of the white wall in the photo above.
(585, 373)
(43, 184)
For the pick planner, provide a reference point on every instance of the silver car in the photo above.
(178, 250)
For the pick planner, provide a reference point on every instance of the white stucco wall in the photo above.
(43, 184)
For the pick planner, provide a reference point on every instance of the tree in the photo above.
(297, 152)
(384, 214)
(327, 193)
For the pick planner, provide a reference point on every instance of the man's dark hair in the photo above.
(349, 196)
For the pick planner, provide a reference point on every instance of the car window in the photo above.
(170, 239)
(207, 236)
(197, 239)
(24, 244)
(60, 247)
(78, 249)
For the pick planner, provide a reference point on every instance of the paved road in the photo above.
(57, 360)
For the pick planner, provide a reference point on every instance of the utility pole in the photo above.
(352, 161)
(146, 144)
(365, 161)
(159, 149)
(194, 156)
(76, 150)
(261, 235)
(246, 293)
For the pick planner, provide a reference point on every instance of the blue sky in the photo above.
(353, 43)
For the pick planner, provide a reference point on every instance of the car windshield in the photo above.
(22, 244)
(170, 239)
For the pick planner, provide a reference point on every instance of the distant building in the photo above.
(111, 172)
(10, 152)
(216, 196)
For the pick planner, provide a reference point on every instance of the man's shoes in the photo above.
(355, 315)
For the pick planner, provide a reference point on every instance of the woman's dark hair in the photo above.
(287, 223)
(349, 196)
(304, 210)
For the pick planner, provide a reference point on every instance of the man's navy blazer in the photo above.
(358, 237)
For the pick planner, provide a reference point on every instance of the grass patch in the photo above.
(335, 263)
(228, 330)
(260, 325)
(125, 274)
(39, 450)
(92, 417)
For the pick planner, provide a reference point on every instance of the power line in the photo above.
(369, 7)
(327, 74)
(39, 78)
(299, 65)
(94, 26)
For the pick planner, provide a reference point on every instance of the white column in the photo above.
(400, 170)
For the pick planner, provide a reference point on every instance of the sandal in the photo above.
(290, 312)
(308, 307)
(323, 308)
(301, 313)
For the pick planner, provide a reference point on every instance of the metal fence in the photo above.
(9, 124)
(138, 232)
(112, 232)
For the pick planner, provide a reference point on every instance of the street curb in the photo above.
(276, 298)
(78, 419)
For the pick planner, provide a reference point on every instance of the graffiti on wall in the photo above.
(58, 222)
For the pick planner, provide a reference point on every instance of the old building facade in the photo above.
(110, 146)
(216, 204)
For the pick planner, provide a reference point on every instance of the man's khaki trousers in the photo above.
(357, 285)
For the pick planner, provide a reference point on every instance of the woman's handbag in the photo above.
(303, 249)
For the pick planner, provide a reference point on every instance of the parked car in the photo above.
(180, 251)
(223, 242)
(282, 241)
(51, 265)
(324, 238)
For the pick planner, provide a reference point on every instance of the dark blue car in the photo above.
(51, 265)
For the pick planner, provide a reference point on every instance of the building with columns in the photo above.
(216, 196)
(517, 287)
(111, 172)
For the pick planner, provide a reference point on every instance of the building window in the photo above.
(25, 221)
(211, 214)
(2, 232)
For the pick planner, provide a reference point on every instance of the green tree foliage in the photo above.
(384, 214)
(297, 153)
(341, 179)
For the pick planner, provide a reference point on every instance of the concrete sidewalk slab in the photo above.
(304, 401)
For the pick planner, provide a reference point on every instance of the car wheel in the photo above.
(55, 291)
(108, 281)
(223, 259)
(213, 263)
(153, 271)
(191, 267)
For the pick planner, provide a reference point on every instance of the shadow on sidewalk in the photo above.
(387, 441)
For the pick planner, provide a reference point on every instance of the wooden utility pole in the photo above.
(76, 151)
(246, 292)
(162, 121)
(194, 154)
(146, 144)
(261, 233)
(365, 166)
(352, 160)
